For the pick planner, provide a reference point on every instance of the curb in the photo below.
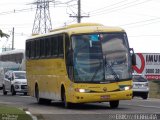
(29, 113)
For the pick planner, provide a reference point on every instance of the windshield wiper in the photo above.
(107, 65)
(99, 67)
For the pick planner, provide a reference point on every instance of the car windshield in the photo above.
(139, 79)
(20, 75)
(101, 57)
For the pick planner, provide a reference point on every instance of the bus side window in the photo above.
(42, 48)
(54, 46)
(28, 50)
(37, 48)
(48, 47)
(33, 49)
(60, 46)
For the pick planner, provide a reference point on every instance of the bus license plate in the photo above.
(105, 96)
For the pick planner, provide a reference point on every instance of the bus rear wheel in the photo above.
(40, 100)
(114, 104)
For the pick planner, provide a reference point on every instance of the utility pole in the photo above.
(79, 13)
(42, 22)
(13, 38)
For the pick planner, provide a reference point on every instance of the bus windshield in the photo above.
(102, 57)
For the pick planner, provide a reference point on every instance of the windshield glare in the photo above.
(101, 57)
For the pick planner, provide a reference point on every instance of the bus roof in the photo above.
(82, 28)
(12, 52)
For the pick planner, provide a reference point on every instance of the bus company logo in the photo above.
(142, 65)
(105, 89)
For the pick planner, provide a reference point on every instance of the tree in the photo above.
(2, 34)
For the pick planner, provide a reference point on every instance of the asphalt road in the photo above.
(94, 111)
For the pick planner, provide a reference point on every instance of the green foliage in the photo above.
(154, 91)
(3, 34)
(8, 113)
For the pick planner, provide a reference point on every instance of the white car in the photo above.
(15, 81)
(140, 86)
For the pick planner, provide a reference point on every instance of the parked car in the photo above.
(15, 81)
(140, 86)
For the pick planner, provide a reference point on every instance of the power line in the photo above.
(148, 20)
(16, 11)
(114, 8)
(100, 9)
(144, 35)
(135, 26)
(33, 8)
(120, 7)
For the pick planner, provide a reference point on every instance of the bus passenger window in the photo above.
(42, 47)
(54, 46)
(60, 46)
(37, 48)
(47, 47)
(28, 50)
(33, 52)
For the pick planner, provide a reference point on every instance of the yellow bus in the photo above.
(80, 63)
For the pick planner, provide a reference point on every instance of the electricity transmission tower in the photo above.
(42, 22)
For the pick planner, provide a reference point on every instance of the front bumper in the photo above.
(100, 97)
(21, 88)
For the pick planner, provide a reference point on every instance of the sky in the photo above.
(139, 18)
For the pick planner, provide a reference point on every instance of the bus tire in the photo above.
(4, 90)
(13, 91)
(40, 100)
(114, 104)
(37, 94)
(63, 94)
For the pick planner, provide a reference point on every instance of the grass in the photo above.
(13, 113)
(154, 91)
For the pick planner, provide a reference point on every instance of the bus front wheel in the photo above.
(66, 104)
(114, 104)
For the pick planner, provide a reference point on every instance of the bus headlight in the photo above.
(125, 88)
(82, 90)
